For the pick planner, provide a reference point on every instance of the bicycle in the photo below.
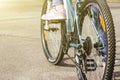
(94, 54)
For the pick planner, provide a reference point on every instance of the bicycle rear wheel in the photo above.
(99, 40)
(52, 37)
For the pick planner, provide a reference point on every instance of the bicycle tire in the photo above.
(111, 41)
(46, 45)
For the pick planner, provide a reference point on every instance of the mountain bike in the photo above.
(89, 29)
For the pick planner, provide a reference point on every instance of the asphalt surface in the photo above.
(21, 54)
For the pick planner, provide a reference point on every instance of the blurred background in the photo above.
(19, 2)
(22, 17)
(13, 12)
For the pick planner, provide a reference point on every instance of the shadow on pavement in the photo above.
(117, 75)
(65, 63)
(117, 65)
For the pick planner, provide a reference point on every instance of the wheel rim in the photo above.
(89, 31)
(52, 40)
(51, 35)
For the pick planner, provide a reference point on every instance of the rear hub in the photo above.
(87, 45)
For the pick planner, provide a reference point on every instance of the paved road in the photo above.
(21, 54)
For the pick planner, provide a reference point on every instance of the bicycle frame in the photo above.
(92, 49)
(72, 19)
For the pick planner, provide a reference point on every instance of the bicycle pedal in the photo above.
(91, 65)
